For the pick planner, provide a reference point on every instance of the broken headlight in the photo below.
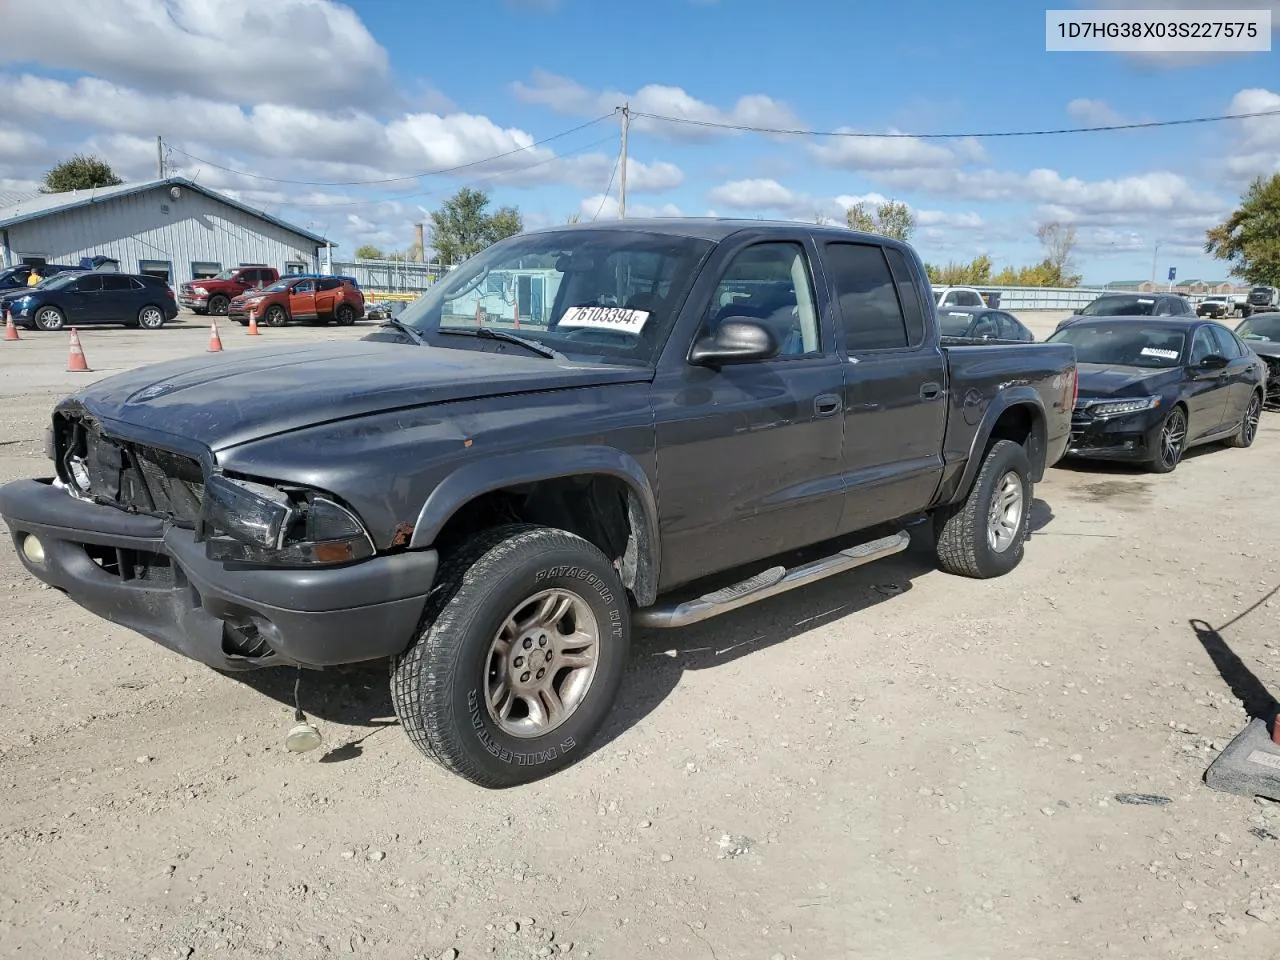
(256, 523)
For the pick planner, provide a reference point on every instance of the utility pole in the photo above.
(160, 156)
(622, 186)
(1154, 258)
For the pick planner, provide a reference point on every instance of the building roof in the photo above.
(47, 204)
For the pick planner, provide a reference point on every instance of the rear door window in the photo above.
(871, 316)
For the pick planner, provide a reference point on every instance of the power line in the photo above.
(605, 198)
(783, 131)
(370, 183)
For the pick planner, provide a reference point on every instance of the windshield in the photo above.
(954, 324)
(1124, 344)
(1120, 307)
(609, 295)
(58, 280)
(937, 296)
(280, 286)
(1265, 326)
(224, 275)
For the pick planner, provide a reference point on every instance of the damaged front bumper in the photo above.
(154, 578)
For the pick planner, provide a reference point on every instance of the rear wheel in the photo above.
(1169, 442)
(151, 317)
(519, 658)
(345, 315)
(983, 535)
(1248, 431)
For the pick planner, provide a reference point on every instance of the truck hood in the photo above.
(1116, 380)
(239, 396)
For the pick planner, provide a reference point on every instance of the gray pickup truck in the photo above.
(666, 412)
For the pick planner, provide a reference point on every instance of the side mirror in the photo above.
(1213, 362)
(736, 340)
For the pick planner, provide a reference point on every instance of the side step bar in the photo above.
(770, 583)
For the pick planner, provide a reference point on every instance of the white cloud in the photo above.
(756, 194)
(769, 195)
(1149, 193)
(1093, 113)
(601, 207)
(306, 52)
(567, 96)
(1256, 150)
(895, 152)
(343, 146)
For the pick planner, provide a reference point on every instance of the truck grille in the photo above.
(130, 476)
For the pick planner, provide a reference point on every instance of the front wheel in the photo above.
(1169, 442)
(983, 535)
(218, 305)
(275, 316)
(49, 319)
(1248, 431)
(519, 657)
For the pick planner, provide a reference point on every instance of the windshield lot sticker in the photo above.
(605, 318)
(1157, 352)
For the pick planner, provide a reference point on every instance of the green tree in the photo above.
(976, 272)
(81, 172)
(368, 251)
(1249, 239)
(463, 227)
(573, 218)
(890, 219)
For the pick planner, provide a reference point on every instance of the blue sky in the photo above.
(251, 96)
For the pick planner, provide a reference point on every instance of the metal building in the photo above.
(171, 228)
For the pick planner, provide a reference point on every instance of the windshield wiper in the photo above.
(488, 333)
(407, 330)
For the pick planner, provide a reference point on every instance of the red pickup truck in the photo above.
(215, 294)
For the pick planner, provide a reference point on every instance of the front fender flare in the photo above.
(494, 473)
(1023, 396)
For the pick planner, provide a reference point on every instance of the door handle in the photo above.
(930, 391)
(825, 405)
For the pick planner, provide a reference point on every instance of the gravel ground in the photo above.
(891, 763)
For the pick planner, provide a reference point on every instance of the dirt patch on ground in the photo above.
(893, 763)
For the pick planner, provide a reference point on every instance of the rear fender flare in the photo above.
(493, 473)
(1024, 396)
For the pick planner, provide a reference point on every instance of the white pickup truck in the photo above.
(958, 297)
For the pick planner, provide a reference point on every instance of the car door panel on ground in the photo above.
(1242, 373)
(772, 428)
(893, 441)
(1208, 390)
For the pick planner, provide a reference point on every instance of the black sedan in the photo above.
(981, 323)
(1262, 333)
(73, 299)
(1151, 388)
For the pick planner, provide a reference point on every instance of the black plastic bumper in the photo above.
(154, 579)
(1134, 437)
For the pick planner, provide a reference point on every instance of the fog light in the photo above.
(33, 549)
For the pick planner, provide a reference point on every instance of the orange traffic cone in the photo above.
(253, 324)
(215, 342)
(76, 362)
(10, 331)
